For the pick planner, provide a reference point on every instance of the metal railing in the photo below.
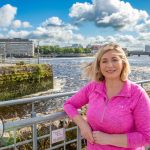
(33, 123)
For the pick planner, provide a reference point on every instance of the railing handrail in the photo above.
(29, 121)
(45, 98)
(34, 99)
(143, 81)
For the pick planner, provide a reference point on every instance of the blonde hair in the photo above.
(92, 70)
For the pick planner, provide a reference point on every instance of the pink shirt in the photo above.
(126, 113)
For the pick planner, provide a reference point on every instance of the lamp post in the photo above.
(4, 52)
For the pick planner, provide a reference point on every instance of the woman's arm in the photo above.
(78, 100)
(141, 115)
(141, 136)
(119, 140)
(85, 129)
(72, 105)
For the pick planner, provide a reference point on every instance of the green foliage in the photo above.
(20, 63)
(20, 80)
(61, 50)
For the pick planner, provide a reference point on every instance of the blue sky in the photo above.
(66, 22)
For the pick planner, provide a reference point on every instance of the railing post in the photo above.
(34, 129)
(78, 139)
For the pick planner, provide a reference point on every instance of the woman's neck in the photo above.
(113, 87)
(113, 83)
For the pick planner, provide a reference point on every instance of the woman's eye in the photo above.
(115, 60)
(104, 61)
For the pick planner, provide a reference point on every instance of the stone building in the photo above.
(147, 48)
(16, 47)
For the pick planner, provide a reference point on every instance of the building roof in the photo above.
(14, 40)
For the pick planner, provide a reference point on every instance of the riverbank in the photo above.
(68, 70)
(19, 80)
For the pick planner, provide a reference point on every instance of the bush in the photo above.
(20, 63)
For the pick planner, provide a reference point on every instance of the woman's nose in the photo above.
(109, 64)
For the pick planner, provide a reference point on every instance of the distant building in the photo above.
(94, 48)
(77, 46)
(17, 47)
(147, 48)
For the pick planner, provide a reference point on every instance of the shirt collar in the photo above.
(125, 92)
(100, 88)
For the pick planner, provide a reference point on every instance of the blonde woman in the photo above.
(118, 113)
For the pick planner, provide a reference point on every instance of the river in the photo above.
(68, 70)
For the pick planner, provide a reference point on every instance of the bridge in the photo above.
(139, 53)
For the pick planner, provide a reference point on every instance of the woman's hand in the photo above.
(100, 137)
(85, 129)
(86, 132)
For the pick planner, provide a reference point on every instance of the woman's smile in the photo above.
(111, 65)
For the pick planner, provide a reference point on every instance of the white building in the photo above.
(17, 47)
(147, 48)
(77, 46)
(94, 48)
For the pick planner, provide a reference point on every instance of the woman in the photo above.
(118, 112)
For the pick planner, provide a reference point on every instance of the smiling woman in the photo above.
(118, 112)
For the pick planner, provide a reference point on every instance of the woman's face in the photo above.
(111, 65)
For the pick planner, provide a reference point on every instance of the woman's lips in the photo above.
(110, 71)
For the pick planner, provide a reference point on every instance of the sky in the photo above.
(67, 22)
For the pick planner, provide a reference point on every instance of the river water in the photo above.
(67, 75)
(68, 70)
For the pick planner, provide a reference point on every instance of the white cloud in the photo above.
(144, 27)
(17, 34)
(53, 21)
(132, 42)
(16, 24)
(82, 11)
(127, 41)
(53, 29)
(125, 38)
(114, 13)
(144, 37)
(26, 24)
(7, 14)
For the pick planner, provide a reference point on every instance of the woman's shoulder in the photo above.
(136, 88)
(93, 85)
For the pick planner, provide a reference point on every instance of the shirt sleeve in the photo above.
(78, 100)
(141, 114)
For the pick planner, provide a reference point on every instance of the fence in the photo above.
(56, 136)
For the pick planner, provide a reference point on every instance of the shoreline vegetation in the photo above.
(23, 79)
(48, 50)
(69, 55)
